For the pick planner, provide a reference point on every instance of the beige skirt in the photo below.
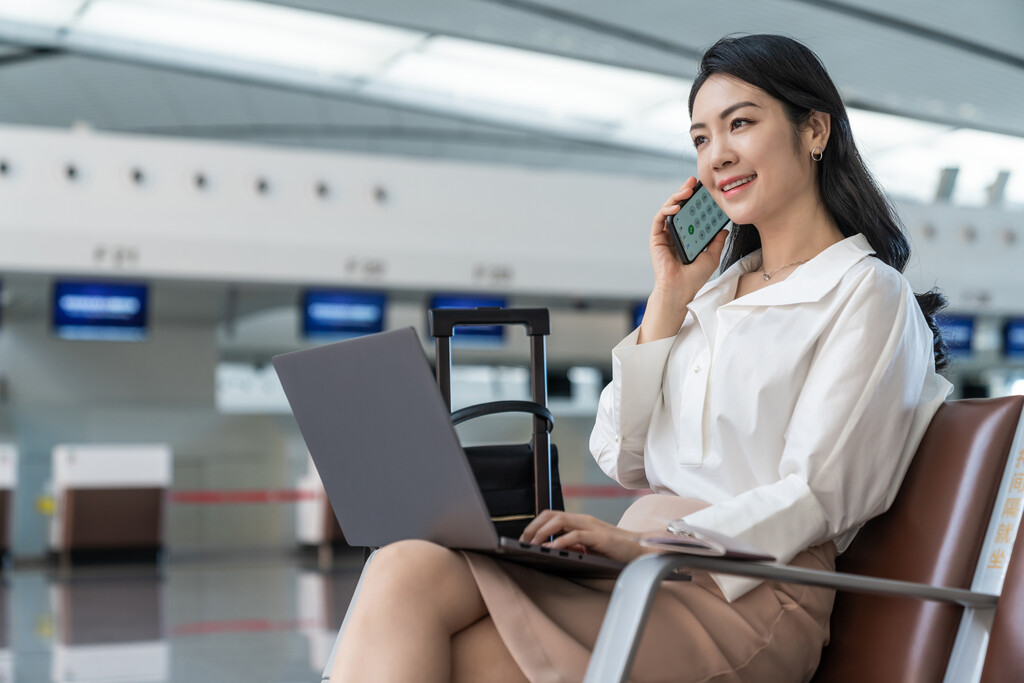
(549, 623)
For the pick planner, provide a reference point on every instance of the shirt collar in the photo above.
(810, 282)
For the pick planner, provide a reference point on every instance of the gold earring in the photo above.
(817, 153)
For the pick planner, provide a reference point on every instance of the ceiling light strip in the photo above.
(309, 55)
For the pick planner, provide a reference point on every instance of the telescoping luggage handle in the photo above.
(442, 323)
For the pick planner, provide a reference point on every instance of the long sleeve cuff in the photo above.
(782, 519)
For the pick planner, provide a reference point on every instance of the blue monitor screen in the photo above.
(100, 311)
(340, 314)
(1013, 338)
(957, 331)
(473, 334)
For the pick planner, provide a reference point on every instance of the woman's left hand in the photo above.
(583, 533)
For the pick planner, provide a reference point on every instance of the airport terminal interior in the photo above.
(189, 188)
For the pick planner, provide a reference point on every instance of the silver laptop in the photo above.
(390, 460)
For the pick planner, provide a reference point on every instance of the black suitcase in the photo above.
(517, 480)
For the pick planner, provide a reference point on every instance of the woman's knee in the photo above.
(410, 566)
(429, 580)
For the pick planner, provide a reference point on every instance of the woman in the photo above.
(779, 403)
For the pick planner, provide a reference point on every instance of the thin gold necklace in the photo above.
(768, 276)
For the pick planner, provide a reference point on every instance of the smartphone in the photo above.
(698, 221)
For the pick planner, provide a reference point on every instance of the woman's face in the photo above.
(747, 152)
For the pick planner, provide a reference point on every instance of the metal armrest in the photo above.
(636, 587)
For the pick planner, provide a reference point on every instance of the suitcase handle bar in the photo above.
(497, 407)
(442, 321)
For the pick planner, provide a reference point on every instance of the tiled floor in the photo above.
(268, 618)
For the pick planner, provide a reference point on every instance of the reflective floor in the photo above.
(267, 618)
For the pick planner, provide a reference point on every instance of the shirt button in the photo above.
(696, 369)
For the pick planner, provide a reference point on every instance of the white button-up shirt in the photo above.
(794, 410)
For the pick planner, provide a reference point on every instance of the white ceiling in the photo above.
(956, 65)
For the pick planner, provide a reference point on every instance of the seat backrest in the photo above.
(1004, 659)
(932, 534)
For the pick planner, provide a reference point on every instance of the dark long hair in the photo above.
(793, 75)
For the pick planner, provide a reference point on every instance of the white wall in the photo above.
(973, 254)
(441, 224)
(447, 225)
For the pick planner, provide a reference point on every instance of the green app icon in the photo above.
(691, 230)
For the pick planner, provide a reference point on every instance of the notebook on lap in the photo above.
(390, 461)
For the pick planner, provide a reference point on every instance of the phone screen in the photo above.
(696, 224)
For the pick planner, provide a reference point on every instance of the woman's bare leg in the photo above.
(479, 654)
(415, 596)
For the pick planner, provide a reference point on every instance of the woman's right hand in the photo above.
(670, 275)
(675, 284)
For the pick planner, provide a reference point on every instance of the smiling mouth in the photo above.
(742, 181)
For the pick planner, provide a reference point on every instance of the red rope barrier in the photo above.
(229, 497)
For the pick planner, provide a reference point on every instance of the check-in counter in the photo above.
(8, 484)
(109, 497)
(316, 524)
